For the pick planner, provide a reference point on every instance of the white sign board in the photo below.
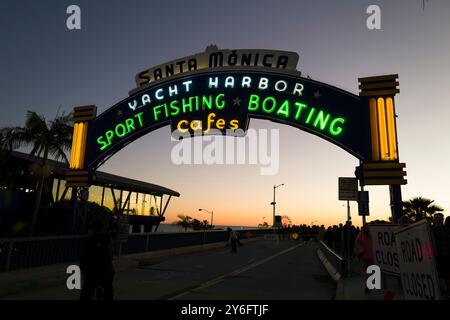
(384, 249)
(416, 254)
(348, 189)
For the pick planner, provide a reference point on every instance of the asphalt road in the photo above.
(262, 269)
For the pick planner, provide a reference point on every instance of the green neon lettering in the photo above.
(130, 124)
(156, 112)
(197, 103)
(109, 135)
(220, 101)
(300, 107)
(284, 109)
(186, 105)
(175, 110)
(310, 115)
(320, 118)
(253, 103)
(103, 144)
(274, 104)
(207, 101)
(139, 117)
(336, 131)
(124, 130)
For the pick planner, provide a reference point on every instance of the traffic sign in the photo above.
(384, 248)
(363, 203)
(416, 253)
(348, 189)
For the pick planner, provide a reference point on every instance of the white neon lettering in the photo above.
(277, 85)
(298, 89)
(214, 83)
(246, 81)
(263, 83)
(157, 94)
(229, 82)
(173, 90)
(187, 84)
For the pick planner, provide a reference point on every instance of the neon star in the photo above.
(237, 101)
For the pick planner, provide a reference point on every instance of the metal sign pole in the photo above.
(364, 216)
(349, 218)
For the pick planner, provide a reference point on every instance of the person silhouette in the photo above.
(232, 240)
(96, 264)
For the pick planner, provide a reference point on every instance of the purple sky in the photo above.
(43, 65)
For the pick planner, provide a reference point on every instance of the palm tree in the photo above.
(47, 138)
(185, 221)
(205, 224)
(263, 225)
(419, 208)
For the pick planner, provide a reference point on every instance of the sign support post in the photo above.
(349, 218)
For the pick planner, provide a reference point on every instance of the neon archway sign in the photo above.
(220, 91)
(225, 101)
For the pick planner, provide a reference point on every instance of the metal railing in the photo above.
(338, 262)
(20, 253)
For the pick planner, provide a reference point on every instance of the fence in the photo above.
(20, 253)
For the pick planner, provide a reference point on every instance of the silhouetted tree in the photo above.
(47, 138)
(419, 208)
(263, 225)
(185, 221)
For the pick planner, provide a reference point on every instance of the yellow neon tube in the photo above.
(79, 140)
(391, 129)
(384, 149)
(74, 146)
(374, 129)
(82, 146)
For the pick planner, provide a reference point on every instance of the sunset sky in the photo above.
(43, 66)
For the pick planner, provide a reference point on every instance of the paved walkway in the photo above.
(262, 269)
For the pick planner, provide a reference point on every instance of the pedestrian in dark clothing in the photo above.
(232, 240)
(348, 239)
(441, 235)
(96, 264)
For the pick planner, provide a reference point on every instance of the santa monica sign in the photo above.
(224, 97)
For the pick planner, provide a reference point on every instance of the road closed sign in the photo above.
(384, 249)
(417, 262)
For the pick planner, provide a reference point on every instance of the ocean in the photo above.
(169, 227)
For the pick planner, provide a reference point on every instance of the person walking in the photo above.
(96, 265)
(232, 240)
(364, 251)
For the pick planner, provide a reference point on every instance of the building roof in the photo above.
(104, 178)
(108, 179)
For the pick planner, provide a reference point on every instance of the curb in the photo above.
(334, 274)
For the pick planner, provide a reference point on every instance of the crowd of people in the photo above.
(347, 240)
(355, 243)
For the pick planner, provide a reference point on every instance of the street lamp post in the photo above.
(274, 203)
(211, 213)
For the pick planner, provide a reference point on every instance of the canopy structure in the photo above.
(145, 203)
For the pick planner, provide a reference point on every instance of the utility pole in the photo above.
(211, 213)
(274, 203)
